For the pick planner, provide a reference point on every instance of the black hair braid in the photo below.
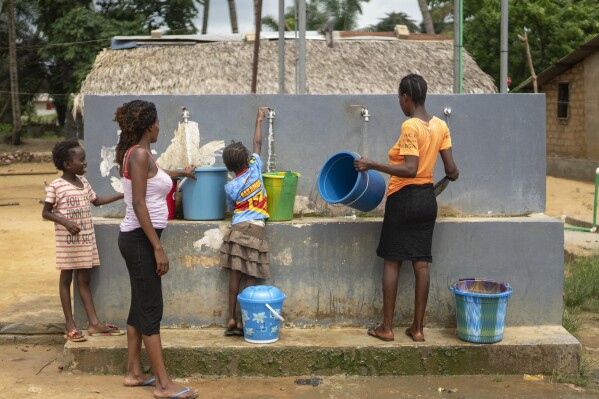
(236, 156)
(61, 152)
(133, 118)
(414, 86)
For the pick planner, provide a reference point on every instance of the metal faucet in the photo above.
(185, 114)
(365, 113)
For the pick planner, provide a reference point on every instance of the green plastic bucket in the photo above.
(280, 191)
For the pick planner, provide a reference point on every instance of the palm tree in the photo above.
(344, 12)
(426, 17)
(233, 15)
(14, 81)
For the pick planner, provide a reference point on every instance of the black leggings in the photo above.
(145, 312)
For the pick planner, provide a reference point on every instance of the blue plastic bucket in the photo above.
(340, 183)
(204, 198)
(261, 308)
(481, 307)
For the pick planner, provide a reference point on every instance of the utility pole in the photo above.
(14, 80)
(301, 65)
(503, 52)
(281, 46)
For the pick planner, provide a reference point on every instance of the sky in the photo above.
(219, 23)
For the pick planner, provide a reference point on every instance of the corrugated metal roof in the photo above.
(565, 63)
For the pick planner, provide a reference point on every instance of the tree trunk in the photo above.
(205, 17)
(258, 14)
(233, 15)
(14, 80)
(426, 17)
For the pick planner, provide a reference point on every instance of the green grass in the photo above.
(570, 321)
(581, 285)
(581, 290)
(6, 130)
(580, 379)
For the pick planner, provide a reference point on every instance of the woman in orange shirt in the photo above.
(411, 207)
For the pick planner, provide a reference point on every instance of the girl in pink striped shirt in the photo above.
(68, 204)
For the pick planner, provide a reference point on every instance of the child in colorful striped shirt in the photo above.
(68, 204)
(244, 249)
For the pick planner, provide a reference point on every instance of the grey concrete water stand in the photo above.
(327, 267)
(331, 275)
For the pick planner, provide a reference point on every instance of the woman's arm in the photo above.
(451, 170)
(68, 224)
(138, 169)
(407, 169)
(107, 199)
(186, 172)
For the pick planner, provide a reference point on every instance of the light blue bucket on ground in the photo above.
(340, 183)
(261, 309)
(481, 307)
(204, 198)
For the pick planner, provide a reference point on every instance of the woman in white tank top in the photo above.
(145, 187)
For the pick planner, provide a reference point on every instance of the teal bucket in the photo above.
(340, 183)
(481, 307)
(261, 309)
(204, 198)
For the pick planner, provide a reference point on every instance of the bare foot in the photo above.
(173, 390)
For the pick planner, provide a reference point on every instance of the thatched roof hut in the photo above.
(352, 66)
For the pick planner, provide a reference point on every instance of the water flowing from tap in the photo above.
(271, 160)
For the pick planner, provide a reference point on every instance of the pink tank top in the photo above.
(158, 187)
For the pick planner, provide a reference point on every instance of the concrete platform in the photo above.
(343, 351)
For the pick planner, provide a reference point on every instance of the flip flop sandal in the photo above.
(75, 336)
(372, 332)
(179, 394)
(234, 333)
(111, 332)
(409, 334)
(146, 383)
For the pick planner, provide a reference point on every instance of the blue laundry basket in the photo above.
(261, 308)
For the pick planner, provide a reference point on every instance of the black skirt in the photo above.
(408, 225)
(145, 312)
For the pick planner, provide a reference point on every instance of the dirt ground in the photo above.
(28, 283)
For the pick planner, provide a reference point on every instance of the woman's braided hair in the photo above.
(133, 118)
(61, 152)
(236, 156)
(414, 86)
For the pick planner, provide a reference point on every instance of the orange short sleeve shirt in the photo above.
(421, 139)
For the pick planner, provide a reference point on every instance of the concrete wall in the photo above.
(331, 275)
(499, 141)
(327, 266)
